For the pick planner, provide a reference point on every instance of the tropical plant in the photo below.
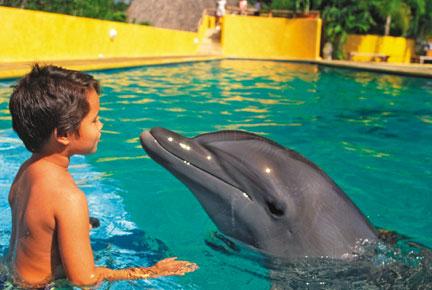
(298, 6)
(421, 24)
(425, 22)
(101, 9)
(341, 17)
(388, 10)
(418, 9)
(282, 4)
(410, 18)
(396, 15)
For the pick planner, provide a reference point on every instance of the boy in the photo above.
(55, 113)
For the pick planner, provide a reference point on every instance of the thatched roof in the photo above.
(174, 14)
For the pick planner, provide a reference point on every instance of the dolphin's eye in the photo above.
(275, 208)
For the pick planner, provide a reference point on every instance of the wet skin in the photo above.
(262, 194)
(50, 218)
(39, 199)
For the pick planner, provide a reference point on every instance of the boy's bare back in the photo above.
(36, 194)
(56, 114)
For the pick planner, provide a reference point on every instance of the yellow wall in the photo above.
(263, 37)
(30, 35)
(27, 36)
(399, 49)
(207, 22)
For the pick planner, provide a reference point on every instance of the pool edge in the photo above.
(16, 70)
(409, 70)
(10, 71)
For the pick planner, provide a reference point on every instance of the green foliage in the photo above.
(394, 16)
(100, 9)
(421, 26)
(409, 18)
(343, 17)
(402, 19)
(425, 26)
(418, 10)
(297, 6)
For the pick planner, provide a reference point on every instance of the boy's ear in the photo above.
(62, 139)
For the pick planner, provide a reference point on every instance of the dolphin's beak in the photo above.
(162, 137)
(148, 142)
(169, 140)
(183, 148)
(146, 137)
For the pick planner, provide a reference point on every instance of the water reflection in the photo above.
(370, 132)
(117, 242)
(275, 71)
(426, 119)
(400, 264)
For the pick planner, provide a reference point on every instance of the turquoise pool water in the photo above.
(371, 133)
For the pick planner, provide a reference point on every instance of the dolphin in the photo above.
(262, 194)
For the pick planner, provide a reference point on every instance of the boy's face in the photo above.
(90, 128)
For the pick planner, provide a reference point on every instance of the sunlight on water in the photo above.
(370, 132)
(117, 234)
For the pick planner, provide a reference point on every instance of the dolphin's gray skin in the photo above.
(262, 194)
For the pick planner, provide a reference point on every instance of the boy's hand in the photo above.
(170, 266)
(165, 267)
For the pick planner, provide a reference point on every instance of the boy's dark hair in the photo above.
(47, 98)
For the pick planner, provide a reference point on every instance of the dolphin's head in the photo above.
(237, 178)
(252, 188)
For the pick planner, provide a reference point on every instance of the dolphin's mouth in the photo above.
(148, 134)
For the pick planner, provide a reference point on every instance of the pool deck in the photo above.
(412, 69)
(18, 69)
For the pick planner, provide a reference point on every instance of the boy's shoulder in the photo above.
(46, 187)
(44, 172)
(51, 180)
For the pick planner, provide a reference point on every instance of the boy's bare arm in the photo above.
(72, 218)
(165, 267)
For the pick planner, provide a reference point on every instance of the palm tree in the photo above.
(394, 9)
(388, 8)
